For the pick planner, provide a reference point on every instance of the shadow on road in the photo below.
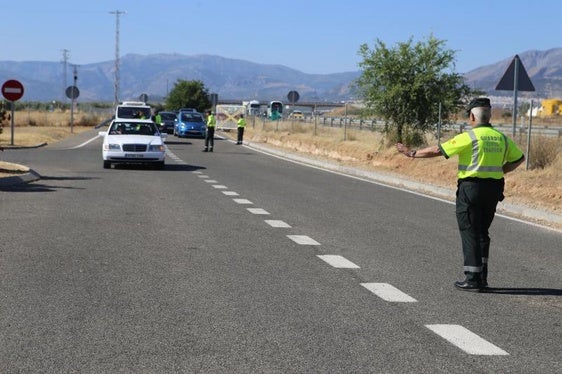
(36, 187)
(179, 167)
(524, 291)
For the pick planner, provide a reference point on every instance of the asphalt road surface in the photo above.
(239, 262)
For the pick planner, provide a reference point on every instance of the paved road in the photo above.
(235, 261)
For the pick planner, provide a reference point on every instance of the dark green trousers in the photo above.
(476, 204)
(210, 138)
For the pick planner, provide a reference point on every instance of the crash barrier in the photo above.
(374, 124)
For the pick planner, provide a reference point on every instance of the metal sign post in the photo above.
(529, 137)
(12, 105)
(72, 92)
(12, 91)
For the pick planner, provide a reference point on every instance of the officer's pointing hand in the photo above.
(405, 150)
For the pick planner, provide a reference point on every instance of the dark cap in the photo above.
(477, 103)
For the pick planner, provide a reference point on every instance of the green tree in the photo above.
(404, 85)
(188, 94)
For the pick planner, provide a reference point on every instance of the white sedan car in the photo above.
(133, 141)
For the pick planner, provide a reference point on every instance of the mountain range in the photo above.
(156, 74)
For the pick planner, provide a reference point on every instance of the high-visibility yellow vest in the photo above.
(482, 152)
(211, 121)
(241, 122)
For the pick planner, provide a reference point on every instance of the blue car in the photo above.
(190, 124)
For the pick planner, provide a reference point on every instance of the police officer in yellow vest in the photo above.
(485, 155)
(241, 124)
(210, 134)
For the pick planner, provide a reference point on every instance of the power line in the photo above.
(116, 80)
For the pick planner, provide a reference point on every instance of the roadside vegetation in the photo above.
(412, 86)
(538, 187)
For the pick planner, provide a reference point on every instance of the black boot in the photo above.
(484, 275)
(473, 282)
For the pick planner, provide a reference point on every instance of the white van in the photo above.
(133, 110)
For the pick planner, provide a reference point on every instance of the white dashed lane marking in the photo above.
(242, 201)
(277, 223)
(303, 240)
(388, 292)
(338, 261)
(172, 155)
(466, 340)
(455, 334)
(258, 211)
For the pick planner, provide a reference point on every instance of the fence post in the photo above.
(529, 137)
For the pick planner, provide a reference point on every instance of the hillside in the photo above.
(543, 67)
(156, 74)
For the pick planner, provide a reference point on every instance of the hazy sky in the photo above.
(313, 36)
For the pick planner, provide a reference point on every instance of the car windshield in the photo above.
(191, 117)
(133, 128)
(168, 116)
(133, 112)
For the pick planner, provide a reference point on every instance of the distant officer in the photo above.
(241, 125)
(485, 155)
(210, 134)
(158, 119)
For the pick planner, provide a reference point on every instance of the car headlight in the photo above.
(156, 148)
(111, 147)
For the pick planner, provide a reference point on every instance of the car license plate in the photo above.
(133, 155)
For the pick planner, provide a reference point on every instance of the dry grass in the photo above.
(33, 128)
(539, 188)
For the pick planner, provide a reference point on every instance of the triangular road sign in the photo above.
(507, 83)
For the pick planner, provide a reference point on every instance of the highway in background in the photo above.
(235, 261)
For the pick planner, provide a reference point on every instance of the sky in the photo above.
(312, 36)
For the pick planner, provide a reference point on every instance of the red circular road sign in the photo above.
(12, 90)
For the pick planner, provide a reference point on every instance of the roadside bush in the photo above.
(410, 137)
(87, 120)
(543, 151)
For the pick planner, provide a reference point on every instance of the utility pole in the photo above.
(75, 75)
(64, 73)
(116, 80)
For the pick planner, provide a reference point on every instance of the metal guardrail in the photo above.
(373, 124)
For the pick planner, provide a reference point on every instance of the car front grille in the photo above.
(134, 147)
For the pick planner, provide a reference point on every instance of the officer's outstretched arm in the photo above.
(431, 151)
(510, 166)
